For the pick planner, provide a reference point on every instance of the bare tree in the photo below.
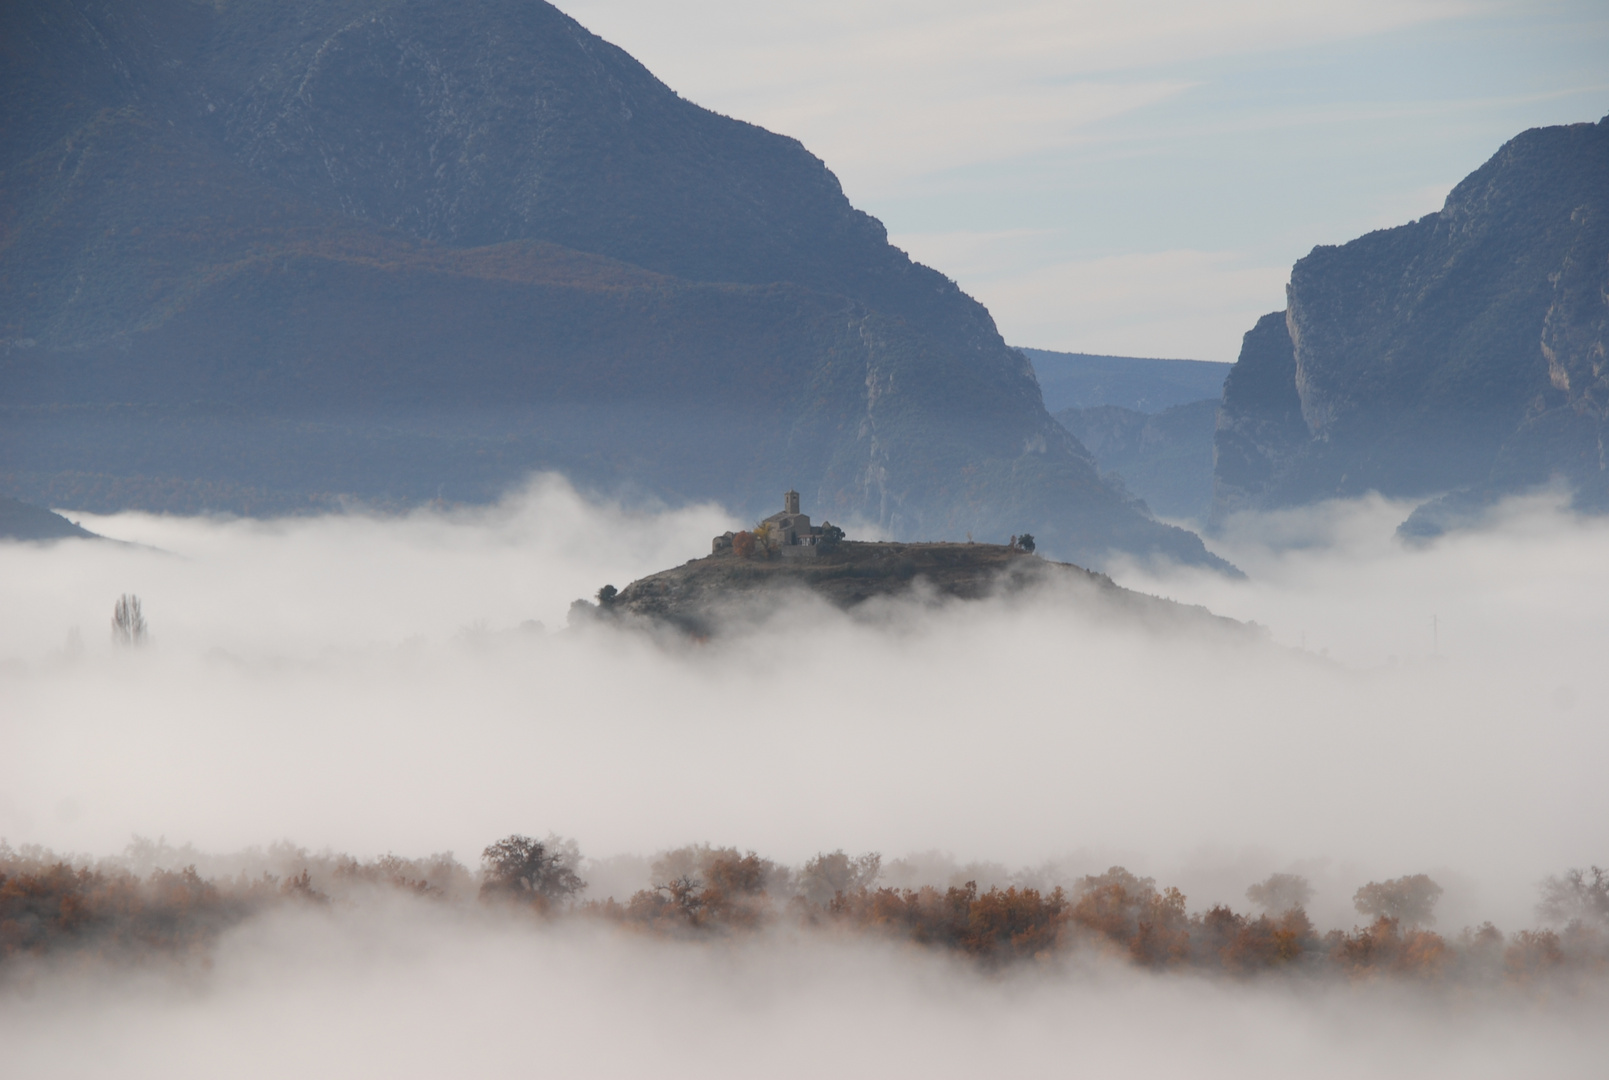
(128, 622)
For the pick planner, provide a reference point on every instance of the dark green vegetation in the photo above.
(1085, 380)
(1464, 352)
(703, 596)
(49, 907)
(1165, 459)
(20, 521)
(265, 255)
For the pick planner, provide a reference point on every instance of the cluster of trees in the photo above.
(48, 905)
(54, 907)
(721, 890)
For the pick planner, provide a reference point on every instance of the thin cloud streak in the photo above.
(888, 92)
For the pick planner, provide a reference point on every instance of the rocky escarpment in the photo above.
(1462, 352)
(273, 254)
(718, 592)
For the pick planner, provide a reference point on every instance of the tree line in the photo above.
(49, 906)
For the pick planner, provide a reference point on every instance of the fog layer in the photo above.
(404, 992)
(369, 684)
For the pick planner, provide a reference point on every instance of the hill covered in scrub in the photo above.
(704, 595)
(1463, 352)
(271, 255)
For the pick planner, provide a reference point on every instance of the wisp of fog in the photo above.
(373, 684)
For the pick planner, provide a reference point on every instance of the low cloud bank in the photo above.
(369, 684)
(397, 994)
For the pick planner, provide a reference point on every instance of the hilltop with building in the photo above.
(750, 575)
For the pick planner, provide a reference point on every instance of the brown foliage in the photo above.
(743, 544)
(49, 906)
(703, 889)
(1001, 924)
(1383, 947)
(58, 906)
(1128, 911)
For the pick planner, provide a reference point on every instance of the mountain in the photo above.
(1164, 459)
(270, 255)
(1085, 380)
(705, 596)
(1462, 355)
(20, 521)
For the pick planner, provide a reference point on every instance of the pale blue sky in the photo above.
(1132, 178)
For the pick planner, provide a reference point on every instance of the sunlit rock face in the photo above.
(1461, 352)
(263, 256)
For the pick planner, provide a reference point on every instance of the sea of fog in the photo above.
(375, 684)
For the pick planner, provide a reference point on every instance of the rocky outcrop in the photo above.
(272, 254)
(1461, 352)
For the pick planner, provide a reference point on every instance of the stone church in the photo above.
(795, 536)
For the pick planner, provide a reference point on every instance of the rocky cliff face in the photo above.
(1463, 351)
(260, 255)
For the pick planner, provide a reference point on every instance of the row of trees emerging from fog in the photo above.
(49, 906)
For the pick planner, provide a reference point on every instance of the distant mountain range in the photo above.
(269, 255)
(1163, 458)
(1460, 356)
(1141, 384)
(1148, 423)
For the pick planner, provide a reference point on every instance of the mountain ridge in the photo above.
(197, 188)
(1461, 352)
